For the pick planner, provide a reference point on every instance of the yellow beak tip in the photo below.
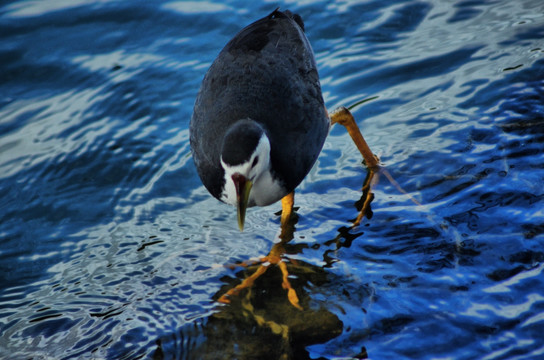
(243, 198)
(241, 225)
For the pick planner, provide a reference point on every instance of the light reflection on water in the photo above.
(111, 247)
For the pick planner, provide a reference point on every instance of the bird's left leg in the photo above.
(344, 117)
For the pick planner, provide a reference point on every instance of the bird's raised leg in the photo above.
(344, 117)
(275, 257)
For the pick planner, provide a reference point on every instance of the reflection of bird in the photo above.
(259, 120)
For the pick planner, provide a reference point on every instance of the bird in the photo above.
(259, 121)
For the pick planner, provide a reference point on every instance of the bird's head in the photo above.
(245, 158)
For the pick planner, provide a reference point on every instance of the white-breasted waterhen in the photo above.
(259, 120)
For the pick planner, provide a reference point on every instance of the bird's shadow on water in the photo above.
(260, 322)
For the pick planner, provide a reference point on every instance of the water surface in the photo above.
(112, 248)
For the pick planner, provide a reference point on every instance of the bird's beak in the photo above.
(243, 188)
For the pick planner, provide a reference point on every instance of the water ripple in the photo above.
(113, 249)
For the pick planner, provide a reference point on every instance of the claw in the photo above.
(250, 280)
(247, 283)
(291, 293)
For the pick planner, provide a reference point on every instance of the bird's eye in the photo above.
(255, 161)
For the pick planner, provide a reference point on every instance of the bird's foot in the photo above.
(363, 205)
(274, 258)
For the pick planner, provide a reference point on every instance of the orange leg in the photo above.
(287, 203)
(344, 117)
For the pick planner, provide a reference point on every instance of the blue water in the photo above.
(111, 247)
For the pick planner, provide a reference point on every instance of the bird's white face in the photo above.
(265, 189)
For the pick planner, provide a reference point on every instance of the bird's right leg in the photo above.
(275, 257)
(287, 203)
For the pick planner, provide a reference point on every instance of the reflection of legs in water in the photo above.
(264, 317)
